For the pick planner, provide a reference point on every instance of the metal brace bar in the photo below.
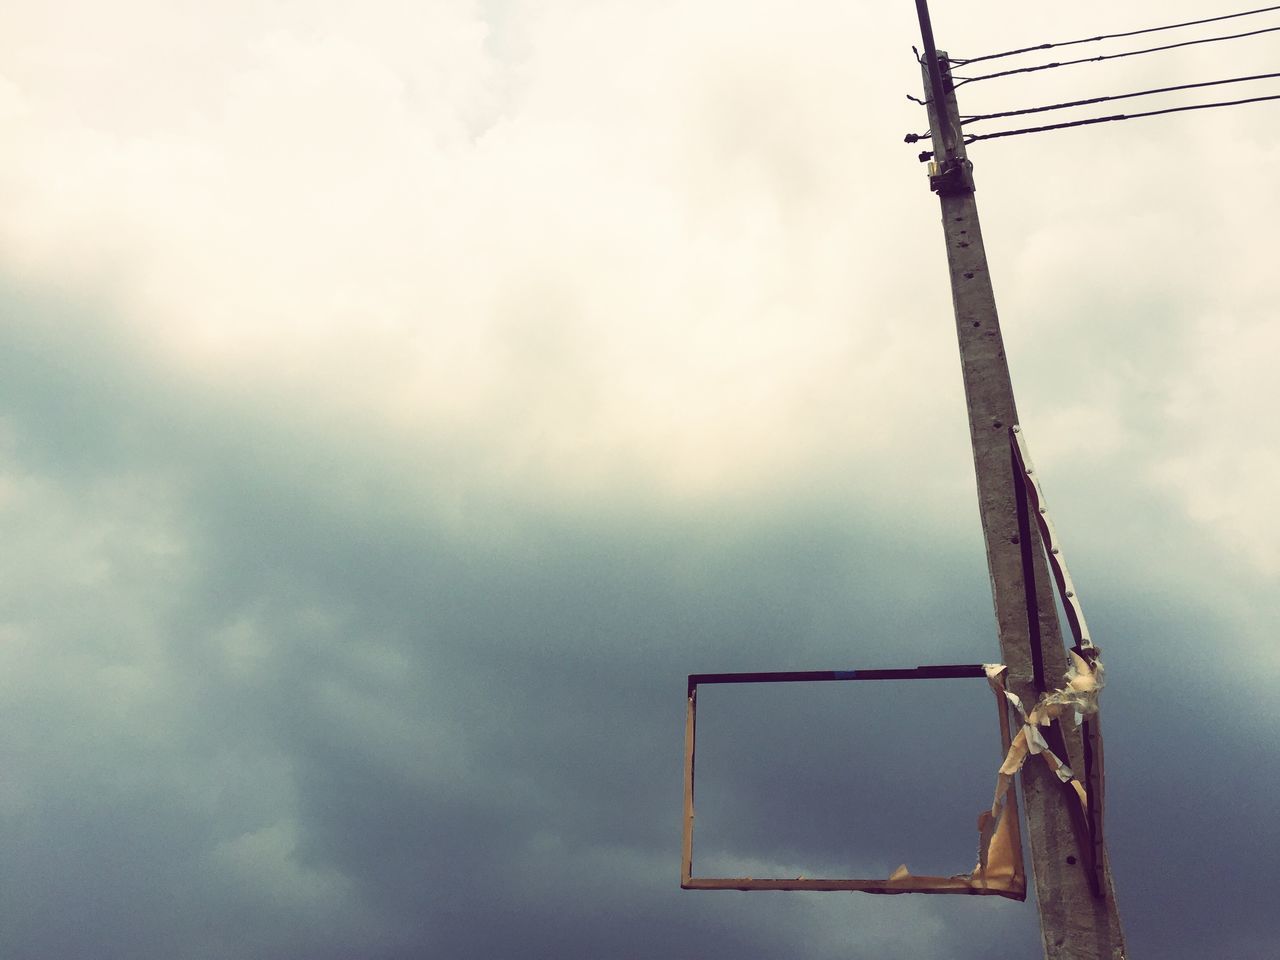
(1030, 496)
(1057, 562)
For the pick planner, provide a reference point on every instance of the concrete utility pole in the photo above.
(1076, 923)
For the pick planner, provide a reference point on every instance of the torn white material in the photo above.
(1076, 699)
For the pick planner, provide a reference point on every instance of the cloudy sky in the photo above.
(398, 399)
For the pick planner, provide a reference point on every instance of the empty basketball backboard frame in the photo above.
(1000, 871)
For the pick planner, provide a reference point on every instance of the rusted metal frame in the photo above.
(1014, 888)
(943, 672)
(1031, 501)
(690, 747)
(960, 885)
(1011, 794)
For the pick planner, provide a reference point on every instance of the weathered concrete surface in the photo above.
(1076, 925)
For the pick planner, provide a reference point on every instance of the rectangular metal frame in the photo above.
(1013, 888)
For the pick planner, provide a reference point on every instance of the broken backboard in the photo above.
(999, 871)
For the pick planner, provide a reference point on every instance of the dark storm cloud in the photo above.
(441, 716)
(366, 716)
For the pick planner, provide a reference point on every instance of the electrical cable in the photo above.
(915, 137)
(1115, 96)
(1111, 56)
(1119, 116)
(1113, 36)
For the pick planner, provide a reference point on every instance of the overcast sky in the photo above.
(398, 400)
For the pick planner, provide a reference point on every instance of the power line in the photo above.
(1116, 96)
(1118, 116)
(974, 118)
(1113, 36)
(1111, 56)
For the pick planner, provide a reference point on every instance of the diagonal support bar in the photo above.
(1031, 503)
(1030, 481)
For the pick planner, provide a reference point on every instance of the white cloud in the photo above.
(1226, 473)
(651, 249)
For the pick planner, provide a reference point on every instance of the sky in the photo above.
(399, 399)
